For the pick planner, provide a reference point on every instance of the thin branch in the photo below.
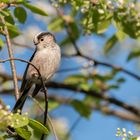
(21, 45)
(76, 122)
(49, 118)
(7, 77)
(89, 65)
(9, 46)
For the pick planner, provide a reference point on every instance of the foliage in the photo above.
(20, 123)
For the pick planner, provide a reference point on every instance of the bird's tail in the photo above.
(20, 102)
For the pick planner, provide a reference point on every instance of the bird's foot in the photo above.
(43, 90)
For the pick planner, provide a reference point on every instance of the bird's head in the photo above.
(44, 40)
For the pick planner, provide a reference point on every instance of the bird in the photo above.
(46, 58)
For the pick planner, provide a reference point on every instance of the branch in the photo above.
(9, 46)
(93, 94)
(105, 110)
(22, 45)
(62, 100)
(7, 77)
(96, 94)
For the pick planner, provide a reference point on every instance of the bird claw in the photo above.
(43, 90)
(35, 75)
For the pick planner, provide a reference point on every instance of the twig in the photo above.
(9, 46)
(49, 118)
(78, 119)
(21, 45)
(89, 65)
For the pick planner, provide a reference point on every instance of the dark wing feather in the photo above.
(20, 102)
(36, 90)
(24, 80)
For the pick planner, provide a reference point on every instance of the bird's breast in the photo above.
(47, 62)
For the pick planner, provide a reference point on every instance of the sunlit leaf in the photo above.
(53, 105)
(24, 133)
(13, 30)
(134, 54)
(19, 120)
(76, 79)
(1, 43)
(35, 9)
(102, 27)
(81, 108)
(110, 43)
(56, 25)
(120, 35)
(10, 19)
(38, 126)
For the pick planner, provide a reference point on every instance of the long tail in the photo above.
(20, 102)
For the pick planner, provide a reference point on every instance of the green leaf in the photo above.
(75, 79)
(38, 126)
(81, 108)
(23, 132)
(19, 120)
(113, 87)
(20, 14)
(74, 30)
(13, 30)
(84, 86)
(1, 43)
(135, 53)
(53, 105)
(5, 1)
(103, 26)
(120, 35)
(35, 9)
(56, 25)
(65, 41)
(110, 43)
(9, 19)
(121, 80)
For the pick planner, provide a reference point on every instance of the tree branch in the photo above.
(96, 94)
(99, 107)
(9, 46)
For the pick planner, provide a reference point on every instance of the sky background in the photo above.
(99, 126)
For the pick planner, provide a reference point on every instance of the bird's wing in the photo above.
(24, 80)
(36, 90)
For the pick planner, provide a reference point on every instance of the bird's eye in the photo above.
(41, 39)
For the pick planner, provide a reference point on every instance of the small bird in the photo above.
(46, 59)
